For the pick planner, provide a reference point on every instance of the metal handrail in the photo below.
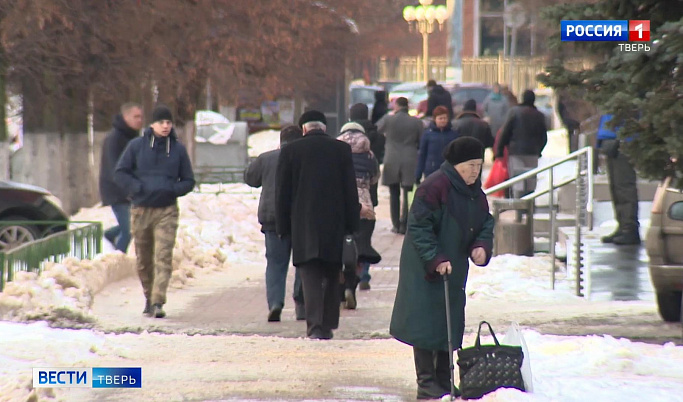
(585, 150)
(83, 242)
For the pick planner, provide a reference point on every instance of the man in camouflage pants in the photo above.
(155, 170)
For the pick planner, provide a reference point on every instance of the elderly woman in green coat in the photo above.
(449, 223)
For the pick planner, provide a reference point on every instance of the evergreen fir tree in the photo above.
(643, 90)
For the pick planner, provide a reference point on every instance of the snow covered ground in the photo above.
(218, 229)
(212, 235)
(593, 368)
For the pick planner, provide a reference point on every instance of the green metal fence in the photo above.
(83, 240)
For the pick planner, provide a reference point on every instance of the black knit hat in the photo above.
(463, 149)
(312, 115)
(161, 112)
(470, 106)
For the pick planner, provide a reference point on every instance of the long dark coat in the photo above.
(316, 197)
(447, 220)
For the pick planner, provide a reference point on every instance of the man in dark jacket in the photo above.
(438, 96)
(317, 204)
(155, 170)
(262, 173)
(127, 126)
(525, 135)
(381, 107)
(468, 123)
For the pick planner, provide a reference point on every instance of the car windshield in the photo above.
(362, 95)
(462, 95)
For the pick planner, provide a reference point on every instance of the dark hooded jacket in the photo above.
(154, 170)
(524, 132)
(470, 124)
(359, 114)
(380, 108)
(432, 144)
(114, 144)
(440, 97)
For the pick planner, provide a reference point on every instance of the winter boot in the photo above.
(630, 238)
(274, 313)
(443, 372)
(158, 312)
(427, 385)
(610, 237)
(148, 308)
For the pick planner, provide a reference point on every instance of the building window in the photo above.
(491, 6)
(491, 33)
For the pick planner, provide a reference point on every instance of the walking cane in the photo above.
(448, 329)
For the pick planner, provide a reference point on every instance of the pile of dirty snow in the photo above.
(216, 230)
(63, 293)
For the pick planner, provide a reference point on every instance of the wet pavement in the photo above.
(618, 273)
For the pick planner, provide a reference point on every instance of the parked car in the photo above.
(664, 245)
(389, 85)
(25, 202)
(415, 92)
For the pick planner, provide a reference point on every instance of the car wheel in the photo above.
(15, 235)
(669, 306)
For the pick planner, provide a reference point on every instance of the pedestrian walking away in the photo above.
(449, 222)
(403, 133)
(623, 187)
(525, 134)
(154, 171)
(468, 123)
(438, 96)
(496, 107)
(432, 144)
(381, 107)
(126, 127)
(317, 205)
(367, 173)
(262, 173)
(359, 114)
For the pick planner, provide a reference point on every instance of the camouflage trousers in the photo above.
(154, 231)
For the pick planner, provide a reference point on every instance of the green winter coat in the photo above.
(447, 220)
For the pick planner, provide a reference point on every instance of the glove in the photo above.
(417, 182)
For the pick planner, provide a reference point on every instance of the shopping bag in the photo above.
(514, 337)
(497, 175)
(485, 368)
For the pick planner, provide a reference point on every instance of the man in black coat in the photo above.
(468, 123)
(127, 126)
(525, 134)
(262, 173)
(317, 204)
(438, 96)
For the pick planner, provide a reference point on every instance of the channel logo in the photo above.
(605, 30)
(87, 377)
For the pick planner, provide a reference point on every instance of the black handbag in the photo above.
(484, 369)
(349, 252)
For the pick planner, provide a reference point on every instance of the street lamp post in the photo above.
(424, 17)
